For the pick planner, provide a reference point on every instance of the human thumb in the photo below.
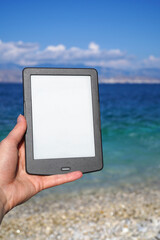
(16, 135)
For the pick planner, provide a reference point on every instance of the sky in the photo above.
(109, 33)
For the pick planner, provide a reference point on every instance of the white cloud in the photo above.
(55, 48)
(116, 63)
(93, 46)
(151, 62)
(17, 52)
(30, 54)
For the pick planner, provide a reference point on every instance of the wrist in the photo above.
(3, 202)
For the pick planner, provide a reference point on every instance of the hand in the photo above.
(16, 186)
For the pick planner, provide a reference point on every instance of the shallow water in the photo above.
(130, 119)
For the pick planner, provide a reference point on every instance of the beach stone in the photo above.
(119, 214)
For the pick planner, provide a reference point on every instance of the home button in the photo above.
(65, 168)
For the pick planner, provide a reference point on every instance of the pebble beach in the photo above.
(103, 214)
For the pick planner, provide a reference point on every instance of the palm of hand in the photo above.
(16, 185)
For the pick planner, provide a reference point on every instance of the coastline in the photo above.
(127, 212)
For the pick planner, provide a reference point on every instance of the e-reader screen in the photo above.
(62, 117)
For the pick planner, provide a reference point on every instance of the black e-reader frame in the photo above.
(61, 165)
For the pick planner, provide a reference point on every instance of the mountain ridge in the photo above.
(13, 73)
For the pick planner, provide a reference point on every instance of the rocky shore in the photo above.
(103, 214)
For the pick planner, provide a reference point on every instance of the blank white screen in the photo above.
(62, 116)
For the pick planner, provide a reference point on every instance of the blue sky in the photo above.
(131, 27)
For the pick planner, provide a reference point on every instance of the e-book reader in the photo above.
(61, 106)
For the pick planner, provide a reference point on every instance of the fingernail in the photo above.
(19, 119)
(79, 174)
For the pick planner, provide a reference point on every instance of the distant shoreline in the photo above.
(157, 82)
(129, 81)
(15, 76)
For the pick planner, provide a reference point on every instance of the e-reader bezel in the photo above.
(62, 165)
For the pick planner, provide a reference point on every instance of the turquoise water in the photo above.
(130, 117)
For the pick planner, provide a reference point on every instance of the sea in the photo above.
(130, 125)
